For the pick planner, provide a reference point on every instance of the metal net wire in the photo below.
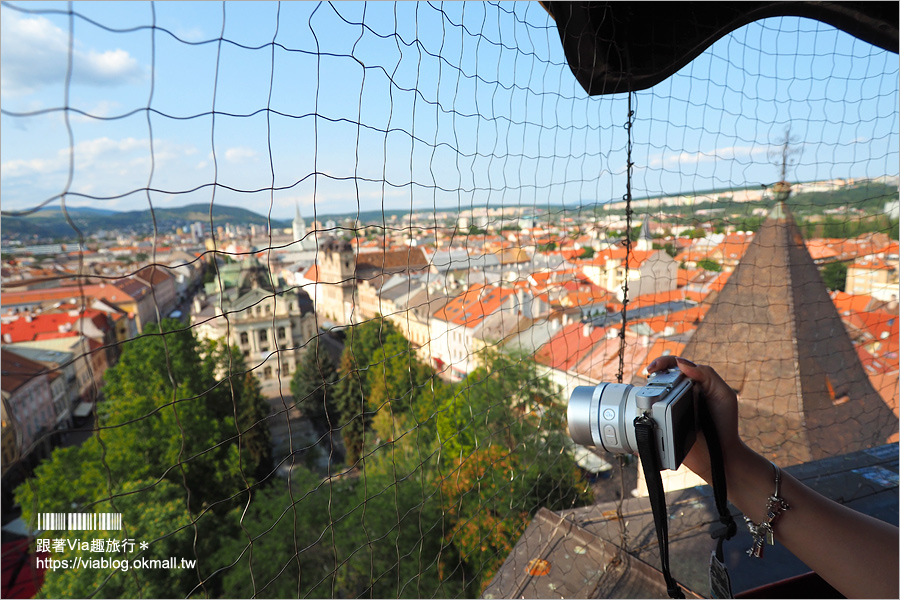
(359, 387)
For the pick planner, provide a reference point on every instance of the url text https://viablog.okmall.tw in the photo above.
(97, 549)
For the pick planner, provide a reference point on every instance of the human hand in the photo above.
(723, 408)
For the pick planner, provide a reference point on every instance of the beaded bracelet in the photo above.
(763, 532)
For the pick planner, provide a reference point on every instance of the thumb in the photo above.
(691, 370)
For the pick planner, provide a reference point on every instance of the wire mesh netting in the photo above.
(295, 294)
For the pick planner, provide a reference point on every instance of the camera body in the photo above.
(603, 416)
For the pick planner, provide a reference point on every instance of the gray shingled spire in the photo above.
(774, 335)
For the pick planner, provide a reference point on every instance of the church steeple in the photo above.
(298, 227)
(645, 240)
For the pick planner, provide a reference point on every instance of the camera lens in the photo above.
(597, 416)
(579, 415)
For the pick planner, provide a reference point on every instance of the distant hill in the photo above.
(80, 210)
(51, 223)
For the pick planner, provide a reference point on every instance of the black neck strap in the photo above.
(644, 432)
(644, 429)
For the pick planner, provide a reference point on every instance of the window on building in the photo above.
(268, 309)
(281, 333)
(245, 339)
(267, 373)
(263, 335)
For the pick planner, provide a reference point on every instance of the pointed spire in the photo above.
(774, 335)
(298, 227)
(645, 240)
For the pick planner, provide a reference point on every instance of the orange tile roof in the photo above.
(602, 362)
(312, 273)
(846, 303)
(824, 248)
(692, 255)
(734, 246)
(47, 325)
(17, 370)
(617, 253)
(570, 253)
(655, 298)
(662, 347)
(870, 263)
(472, 306)
(569, 346)
(680, 321)
(684, 276)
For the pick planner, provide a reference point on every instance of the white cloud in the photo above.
(19, 167)
(35, 54)
(239, 154)
(194, 34)
(98, 154)
(745, 153)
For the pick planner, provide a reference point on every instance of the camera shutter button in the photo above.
(609, 432)
(609, 414)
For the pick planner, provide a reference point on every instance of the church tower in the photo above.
(298, 227)
(774, 335)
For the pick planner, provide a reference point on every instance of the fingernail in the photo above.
(684, 361)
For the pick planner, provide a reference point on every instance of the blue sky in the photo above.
(407, 105)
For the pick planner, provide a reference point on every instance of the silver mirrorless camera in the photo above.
(603, 416)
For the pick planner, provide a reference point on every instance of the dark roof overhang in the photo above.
(617, 47)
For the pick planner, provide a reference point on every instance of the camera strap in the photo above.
(646, 441)
(644, 429)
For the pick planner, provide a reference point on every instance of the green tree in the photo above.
(501, 431)
(697, 233)
(312, 386)
(251, 411)
(401, 386)
(708, 264)
(361, 362)
(164, 524)
(353, 418)
(346, 539)
(835, 276)
(286, 550)
(166, 455)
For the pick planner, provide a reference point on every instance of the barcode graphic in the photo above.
(79, 521)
